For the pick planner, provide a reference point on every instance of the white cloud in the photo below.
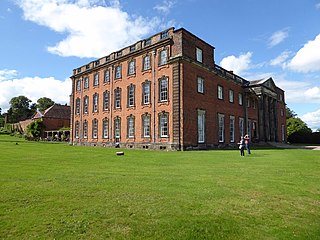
(280, 60)
(299, 91)
(7, 74)
(237, 64)
(307, 58)
(278, 37)
(293, 90)
(93, 28)
(257, 75)
(313, 93)
(33, 88)
(312, 119)
(318, 6)
(165, 7)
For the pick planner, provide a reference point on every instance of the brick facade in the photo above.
(166, 92)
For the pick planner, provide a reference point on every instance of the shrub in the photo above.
(34, 129)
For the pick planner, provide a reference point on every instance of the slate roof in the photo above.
(55, 111)
(260, 81)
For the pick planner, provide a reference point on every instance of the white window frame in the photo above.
(163, 57)
(163, 90)
(221, 127)
(130, 126)
(131, 67)
(117, 98)
(240, 99)
(77, 129)
(117, 128)
(199, 55)
(241, 126)
(95, 128)
(163, 122)
(146, 92)
(231, 96)
(106, 96)
(85, 104)
(201, 126)
(147, 62)
(78, 85)
(78, 105)
(200, 85)
(105, 128)
(118, 73)
(146, 120)
(96, 79)
(131, 95)
(86, 82)
(232, 129)
(85, 129)
(95, 102)
(106, 76)
(220, 92)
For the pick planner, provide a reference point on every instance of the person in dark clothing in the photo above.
(241, 146)
(247, 143)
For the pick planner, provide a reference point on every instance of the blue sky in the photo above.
(42, 41)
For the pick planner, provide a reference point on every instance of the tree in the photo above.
(34, 129)
(290, 113)
(44, 103)
(297, 130)
(297, 125)
(19, 109)
(1, 121)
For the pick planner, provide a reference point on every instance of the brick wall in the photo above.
(184, 100)
(208, 101)
(124, 112)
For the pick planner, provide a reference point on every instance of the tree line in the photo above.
(22, 108)
(298, 131)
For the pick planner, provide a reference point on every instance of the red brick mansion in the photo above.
(166, 92)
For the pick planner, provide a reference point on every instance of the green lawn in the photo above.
(57, 191)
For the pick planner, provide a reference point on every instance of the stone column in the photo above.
(267, 118)
(272, 119)
(261, 126)
(277, 137)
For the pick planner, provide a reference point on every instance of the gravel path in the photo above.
(284, 145)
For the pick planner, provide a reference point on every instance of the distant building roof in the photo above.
(55, 111)
(38, 114)
(260, 81)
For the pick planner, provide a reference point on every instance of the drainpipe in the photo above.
(154, 95)
(80, 111)
(245, 112)
(111, 101)
(72, 114)
(180, 97)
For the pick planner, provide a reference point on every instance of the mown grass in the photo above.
(57, 191)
